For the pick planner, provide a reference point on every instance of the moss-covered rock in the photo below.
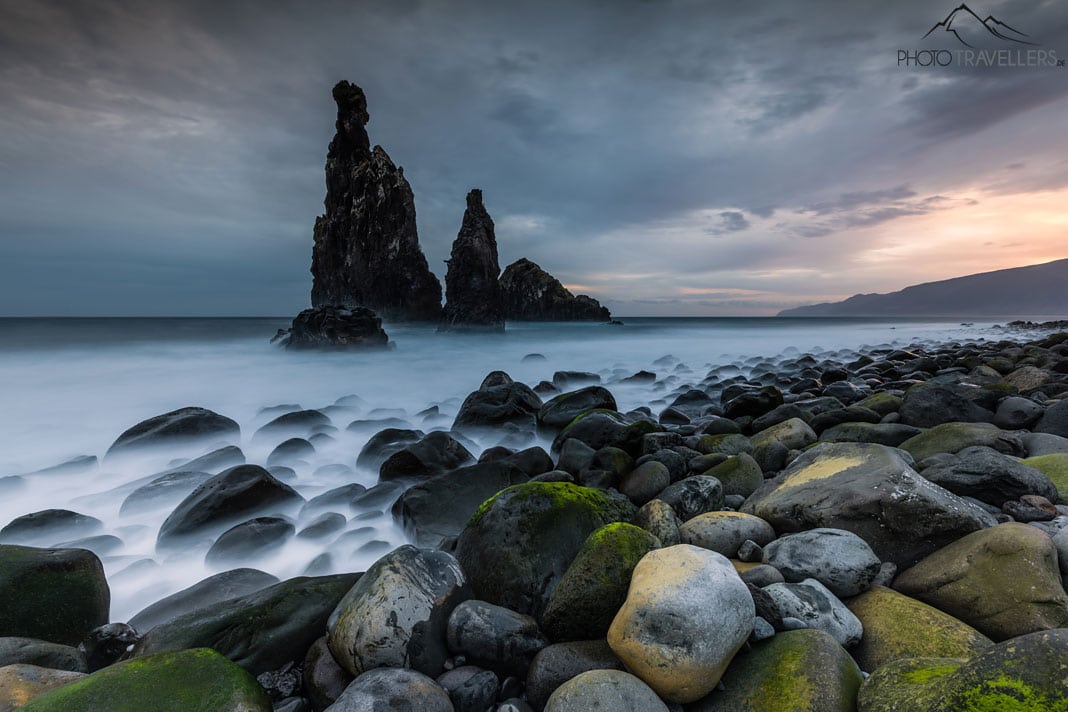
(1004, 581)
(892, 434)
(595, 584)
(261, 631)
(1055, 467)
(1025, 674)
(954, 437)
(739, 474)
(882, 403)
(520, 542)
(198, 680)
(57, 595)
(724, 443)
(22, 682)
(794, 434)
(796, 670)
(897, 626)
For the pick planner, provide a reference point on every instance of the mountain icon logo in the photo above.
(971, 30)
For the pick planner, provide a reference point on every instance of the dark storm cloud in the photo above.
(175, 149)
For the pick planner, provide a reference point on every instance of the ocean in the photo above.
(71, 386)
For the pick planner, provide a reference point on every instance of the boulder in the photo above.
(473, 297)
(1003, 581)
(1055, 420)
(725, 532)
(366, 249)
(494, 638)
(897, 626)
(427, 523)
(55, 595)
(223, 500)
(393, 689)
(250, 539)
(30, 651)
(471, 688)
(180, 427)
(954, 437)
(396, 614)
(557, 663)
(261, 631)
(889, 434)
(645, 482)
(872, 491)
(659, 519)
(739, 474)
(323, 679)
(1025, 674)
(794, 670)
(198, 679)
(532, 294)
(520, 542)
(331, 326)
(926, 405)
(492, 406)
(214, 589)
(562, 409)
(989, 476)
(1054, 466)
(166, 489)
(1016, 412)
(384, 444)
(682, 583)
(813, 606)
(838, 559)
(693, 495)
(48, 527)
(605, 690)
(793, 434)
(433, 454)
(594, 586)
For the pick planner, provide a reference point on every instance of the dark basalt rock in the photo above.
(204, 594)
(335, 327)
(473, 297)
(177, 427)
(532, 294)
(46, 525)
(366, 244)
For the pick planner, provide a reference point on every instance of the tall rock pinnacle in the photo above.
(366, 249)
(473, 297)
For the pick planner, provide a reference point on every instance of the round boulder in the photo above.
(725, 532)
(840, 560)
(682, 583)
(605, 690)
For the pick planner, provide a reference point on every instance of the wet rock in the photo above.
(725, 532)
(106, 644)
(521, 541)
(659, 519)
(607, 690)
(47, 526)
(494, 637)
(393, 689)
(556, 664)
(694, 495)
(1015, 412)
(532, 294)
(261, 631)
(1003, 581)
(493, 406)
(926, 405)
(324, 680)
(594, 586)
(794, 670)
(814, 607)
(180, 427)
(1025, 673)
(288, 451)
(872, 491)
(838, 559)
(645, 482)
(16, 650)
(471, 688)
(562, 409)
(20, 683)
(223, 499)
(250, 539)
(738, 474)
(954, 437)
(473, 297)
(330, 327)
(682, 664)
(214, 589)
(366, 244)
(898, 626)
(323, 526)
(889, 434)
(433, 454)
(396, 614)
(163, 490)
(55, 595)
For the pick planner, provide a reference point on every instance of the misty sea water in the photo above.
(71, 386)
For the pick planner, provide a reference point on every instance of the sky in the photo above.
(668, 158)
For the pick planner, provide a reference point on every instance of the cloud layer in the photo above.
(672, 157)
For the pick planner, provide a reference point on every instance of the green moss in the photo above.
(951, 438)
(559, 495)
(1055, 467)
(1009, 694)
(198, 679)
(882, 403)
(926, 674)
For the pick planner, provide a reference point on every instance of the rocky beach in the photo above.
(867, 529)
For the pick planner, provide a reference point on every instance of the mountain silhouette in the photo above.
(1035, 291)
(969, 28)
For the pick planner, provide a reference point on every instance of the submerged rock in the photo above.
(335, 327)
(366, 243)
(473, 297)
(178, 427)
(532, 294)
